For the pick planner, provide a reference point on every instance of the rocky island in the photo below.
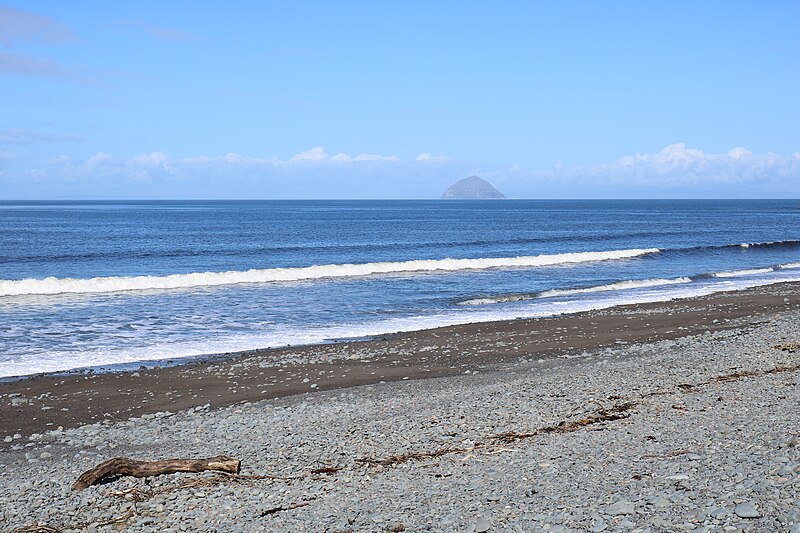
(472, 188)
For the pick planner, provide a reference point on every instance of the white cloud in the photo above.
(346, 158)
(161, 160)
(675, 171)
(432, 158)
(230, 158)
(315, 154)
(98, 159)
(678, 164)
(312, 173)
(318, 154)
(739, 152)
(375, 157)
(151, 159)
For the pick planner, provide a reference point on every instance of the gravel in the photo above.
(705, 437)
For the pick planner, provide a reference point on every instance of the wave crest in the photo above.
(745, 272)
(618, 286)
(769, 244)
(52, 285)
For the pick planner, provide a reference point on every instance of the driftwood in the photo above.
(121, 466)
(788, 347)
(616, 412)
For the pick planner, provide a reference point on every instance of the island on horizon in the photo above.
(472, 188)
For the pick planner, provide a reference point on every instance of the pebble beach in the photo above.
(297, 267)
(696, 433)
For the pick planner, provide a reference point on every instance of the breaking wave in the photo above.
(505, 298)
(790, 243)
(769, 244)
(54, 285)
(618, 286)
(745, 272)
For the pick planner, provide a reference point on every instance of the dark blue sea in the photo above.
(109, 283)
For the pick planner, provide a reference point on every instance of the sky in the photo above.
(106, 100)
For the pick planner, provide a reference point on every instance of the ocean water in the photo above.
(114, 283)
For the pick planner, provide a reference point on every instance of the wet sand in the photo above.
(45, 402)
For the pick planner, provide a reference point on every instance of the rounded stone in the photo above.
(747, 510)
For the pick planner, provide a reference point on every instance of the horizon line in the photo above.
(382, 199)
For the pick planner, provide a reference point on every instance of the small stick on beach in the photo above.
(122, 466)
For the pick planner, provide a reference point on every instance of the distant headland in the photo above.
(472, 188)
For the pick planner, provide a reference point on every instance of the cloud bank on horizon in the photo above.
(677, 171)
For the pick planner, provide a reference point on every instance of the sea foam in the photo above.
(618, 286)
(54, 360)
(54, 285)
(745, 272)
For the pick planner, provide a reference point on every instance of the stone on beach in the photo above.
(747, 510)
(620, 508)
(482, 525)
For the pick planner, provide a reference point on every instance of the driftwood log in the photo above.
(122, 466)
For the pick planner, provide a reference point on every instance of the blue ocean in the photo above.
(110, 284)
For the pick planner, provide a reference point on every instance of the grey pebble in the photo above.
(747, 510)
(620, 508)
(598, 526)
(482, 525)
(718, 513)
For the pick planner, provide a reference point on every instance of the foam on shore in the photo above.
(164, 352)
(618, 286)
(745, 272)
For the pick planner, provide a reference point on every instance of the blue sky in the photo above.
(398, 100)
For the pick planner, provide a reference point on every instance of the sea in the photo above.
(112, 285)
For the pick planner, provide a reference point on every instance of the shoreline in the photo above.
(44, 402)
(692, 426)
(145, 360)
